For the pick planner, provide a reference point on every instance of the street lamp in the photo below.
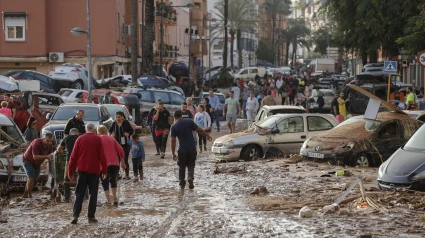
(189, 5)
(209, 51)
(77, 31)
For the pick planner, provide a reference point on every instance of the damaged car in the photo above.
(12, 148)
(360, 141)
(406, 167)
(275, 135)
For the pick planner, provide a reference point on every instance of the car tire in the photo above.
(362, 159)
(251, 152)
(78, 84)
(28, 99)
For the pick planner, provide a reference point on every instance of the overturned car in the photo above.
(12, 148)
(361, 141)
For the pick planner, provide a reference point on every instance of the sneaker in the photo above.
(74, 221)
(92, 220)
(190, 181)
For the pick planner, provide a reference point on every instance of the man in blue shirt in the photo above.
(182, 130)
(215, 103)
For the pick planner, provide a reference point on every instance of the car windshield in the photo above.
(65, 93)
(416, 142)
(370, 125)
(65, 113)
(9, 132)
(268, 122)
(113, 109)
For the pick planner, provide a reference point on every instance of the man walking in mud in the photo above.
(186, 153)
(88, 158)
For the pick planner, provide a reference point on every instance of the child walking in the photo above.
(203, 120)
(138, 156)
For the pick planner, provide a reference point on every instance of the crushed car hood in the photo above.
(404, 163)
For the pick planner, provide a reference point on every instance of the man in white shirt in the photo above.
(236, 91)
(251, 108)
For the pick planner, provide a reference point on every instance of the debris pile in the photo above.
(230, 170)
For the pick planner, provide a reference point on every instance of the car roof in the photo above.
(27, 70)
(276, 107)
(114, 105)
(80, 105)
(292, 115)
(5, 120)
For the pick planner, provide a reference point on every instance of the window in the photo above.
(244, 71)
(43, 79)
(163, 96)
(146, 96)
(176, 99)
(65, 93)
(27, 75)
(318, 124)
(291, 125)
(14, 28)
(254, 71)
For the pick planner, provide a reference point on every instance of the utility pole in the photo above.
(89, 86)
(161, 29)
(134, 48)
(142, 66)
(190, 41)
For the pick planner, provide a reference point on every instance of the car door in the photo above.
(252, 73)
(291, 136)
(358, 101)
(388, 139)
(317, 125)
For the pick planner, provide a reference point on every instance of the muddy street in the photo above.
(225, 203)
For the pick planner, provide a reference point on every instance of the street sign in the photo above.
(421, 59)
(326, 57)
(390, 67)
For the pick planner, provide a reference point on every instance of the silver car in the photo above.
(278, 134)
(71, 76)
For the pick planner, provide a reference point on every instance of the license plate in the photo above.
(316, 155)
(19, 178)
(216, 150)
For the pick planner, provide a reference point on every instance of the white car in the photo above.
(12, 147)
(70, 95)
(71, 76)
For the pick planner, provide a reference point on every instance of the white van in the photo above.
(249, 73)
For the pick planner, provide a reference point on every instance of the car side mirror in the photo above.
(275, 131)
(48, 116)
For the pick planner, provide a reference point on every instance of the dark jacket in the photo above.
(121, 130)
(74, 123)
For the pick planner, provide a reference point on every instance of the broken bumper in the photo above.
(326, 156)
(226, 154)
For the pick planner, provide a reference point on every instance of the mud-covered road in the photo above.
(221, 204)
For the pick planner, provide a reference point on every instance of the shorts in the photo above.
(231, 118)
(31, 170)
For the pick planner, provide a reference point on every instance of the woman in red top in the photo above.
(5, 110)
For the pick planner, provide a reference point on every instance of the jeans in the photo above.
(155, 139)
(92, 182)
(202, 139)
(186, 159)
(217, 118)
(163, 141)
(137, 166)
(250, 114)
(110, 178)
(126, 149)
(243, 108)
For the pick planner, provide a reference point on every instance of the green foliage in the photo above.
(414, 34)
(223, 78)
(322, 38)
(265, 52)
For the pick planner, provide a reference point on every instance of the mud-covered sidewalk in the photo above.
(221, 205)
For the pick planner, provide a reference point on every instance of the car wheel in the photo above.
(252, 152)
(77, 85)
(362, 160)
(28, 99)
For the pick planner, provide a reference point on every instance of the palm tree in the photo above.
(226, 17)
(149, 36)
(134, 49)
(276, 8)
(240, 17)
(296, 35)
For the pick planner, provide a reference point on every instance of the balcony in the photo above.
(169, 53)
(169, 14)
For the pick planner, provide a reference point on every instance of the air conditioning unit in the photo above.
(127, 30)
(56, 57)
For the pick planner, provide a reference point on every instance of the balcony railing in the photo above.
(168, 51)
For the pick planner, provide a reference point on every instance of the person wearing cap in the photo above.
(68, 144)
(186, 153)
(152, 126)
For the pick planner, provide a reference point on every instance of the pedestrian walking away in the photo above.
(268, 100)
(251, 108)
(203, 120)
(68, 144)
(163, 121)
(75, 122)
(121, 130)
(186, 153)
(230, 107)
(88, 158)
(39, 150)
(138, 156)
(152, 125)
(114, 155)
(215, 103)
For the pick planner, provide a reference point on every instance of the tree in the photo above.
(265, 52)
(134, 48)
(296, 35)
(414, 34)
(241, 16)
(322, 39)
(275, 8)
(226, 17)
(149, 36)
